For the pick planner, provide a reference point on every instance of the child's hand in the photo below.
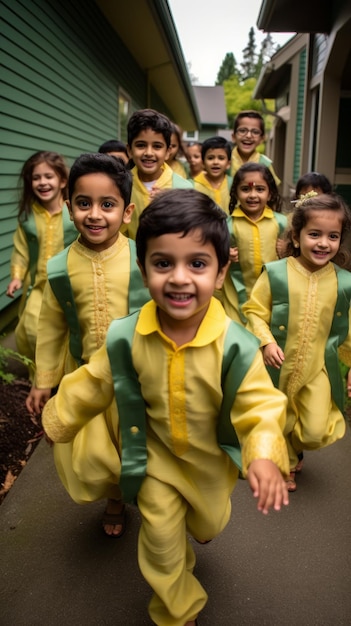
(36, 400)
(14, 285)
(268, 485)
(273, 355)
(154, 191)
(281, 247)
(234, 255)
(348, 379)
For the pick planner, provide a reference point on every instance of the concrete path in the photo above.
(287, 569)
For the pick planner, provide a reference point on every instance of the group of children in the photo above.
(163, 395)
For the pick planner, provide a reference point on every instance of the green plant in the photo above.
(6, 354)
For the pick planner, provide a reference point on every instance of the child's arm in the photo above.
(258, 310)
(234, 255)
(81, 396)
(273, 355)
(268, 485)
(281, 247)
(19, 257)
(36, 400)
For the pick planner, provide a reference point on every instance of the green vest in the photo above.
(240, 348)
(61, 286)
(30, 230)
(178, 182)
(235, 271)
(278, 279)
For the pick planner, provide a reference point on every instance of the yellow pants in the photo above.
(166, 557)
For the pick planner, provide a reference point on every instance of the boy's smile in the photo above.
(149, 151)
(216, 163)
(247, 142)
(98, 211)
(181, 274)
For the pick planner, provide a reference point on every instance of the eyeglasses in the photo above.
(255, 132)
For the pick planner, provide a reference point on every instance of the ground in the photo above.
(19, 433)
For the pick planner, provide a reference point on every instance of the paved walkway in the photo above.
(287, 569)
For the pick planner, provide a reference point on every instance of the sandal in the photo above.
(298, 467)
(115, 519)
(291, 483)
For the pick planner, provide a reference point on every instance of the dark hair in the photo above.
(216, 142)
(149, 118)
(53, 160)
(274, 202)
(183, 211)
(313, 179)
(254, 115)
(113, 145)
(94, 163)
(175, 130)
(302, 213)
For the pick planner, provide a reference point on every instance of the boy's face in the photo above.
(216, 163)
(181, 274)
(97, 210)
(149, 151)
(248, 136)
(194, 158)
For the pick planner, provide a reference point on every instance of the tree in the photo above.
(268, 48)
(249, 63)
(227, 69)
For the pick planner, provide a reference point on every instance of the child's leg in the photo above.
(166, 558)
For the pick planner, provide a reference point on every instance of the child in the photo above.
(116, 148)
(214, 181)
(176, 150)
(194, 158)
(248, 134)
(44, 229)
(308, 324)
(170, 376)
(255, 225)
(312, 181)
(104, 282)
(149, 138)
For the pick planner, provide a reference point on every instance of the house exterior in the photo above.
(71, 75)
(212, 112)
(310, 80)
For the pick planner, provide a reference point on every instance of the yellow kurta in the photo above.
(255, 157)
(178, 167)
(50, 241)
(220, 196)
(256, 242)
(141, 196)
(100, 284)
(313, 419)
(189, 478)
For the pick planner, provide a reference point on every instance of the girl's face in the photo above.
(46, 184)
(319, 240)
(253, 194)
(173, 148)
(193, 155)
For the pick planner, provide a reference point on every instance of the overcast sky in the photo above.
(207, 31)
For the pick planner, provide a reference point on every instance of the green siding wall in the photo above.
(300, 114)
(62, 66)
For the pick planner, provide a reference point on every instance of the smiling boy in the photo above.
(149, 139)
(214, 181)
(179, 343)
(248, 134)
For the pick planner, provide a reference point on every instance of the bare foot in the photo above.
(113, 520)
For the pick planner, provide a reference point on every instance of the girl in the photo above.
(176, 150)
(44, 229)
(308, 326)
(312, 181)
(194, 158)
(255, 225)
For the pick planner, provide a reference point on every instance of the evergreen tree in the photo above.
(249, 63)
(227, 69)
(268, 48)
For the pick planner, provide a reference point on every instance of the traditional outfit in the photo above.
(35, 241)
(100, 283)
(256, 242)
(220, 196)
(255, 157)
(314, 419)
(178, 168)
(189, 478)
(141, 194)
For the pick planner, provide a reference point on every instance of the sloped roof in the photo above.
(211, 105)
(296, 16)
(147, 29)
